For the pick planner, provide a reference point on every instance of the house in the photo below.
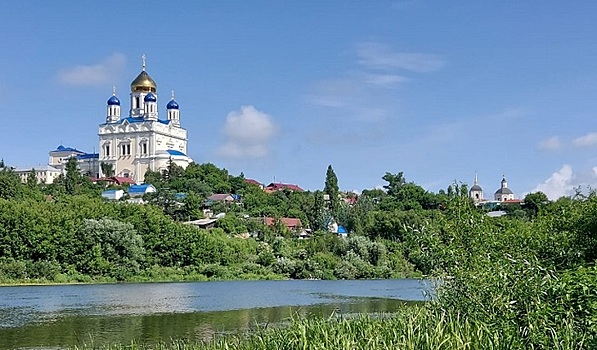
(113, 195)
(254, 182)
(278, 186)
(115, 180)
(291, 224)
(342, 232)
(221, 197)
(45, 174)
(140, 190)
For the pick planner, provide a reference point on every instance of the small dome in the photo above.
(113, 101)
(504, 190)
(172, 104)
(143, 82)
(476, 188)
(150, 97)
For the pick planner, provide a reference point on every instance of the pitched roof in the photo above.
(141, 188)
(119, 180)
(62, 148)
(220, 197)
(254, 182)
(278, 186)
(290, 223)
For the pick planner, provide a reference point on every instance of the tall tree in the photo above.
(331, 189)
(395, 183)
(73, 176)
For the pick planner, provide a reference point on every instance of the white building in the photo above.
(141, 141)
(503, 193)
(45, 174)
(134, 143)
(476, 192)
(88, 162)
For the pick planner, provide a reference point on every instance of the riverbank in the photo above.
(163, 275)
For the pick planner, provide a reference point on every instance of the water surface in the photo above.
(69, 315)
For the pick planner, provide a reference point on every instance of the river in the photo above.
(68, 315)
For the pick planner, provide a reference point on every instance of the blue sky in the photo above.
(280, 90)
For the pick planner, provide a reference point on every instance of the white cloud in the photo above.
(551, 144)
(248, 134)
(105, 72)
(586, 141)
(560, 183)
(374, 55)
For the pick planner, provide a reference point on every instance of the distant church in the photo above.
(501, 195)
(136, 143)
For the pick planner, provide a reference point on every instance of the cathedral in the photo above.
(132, 144)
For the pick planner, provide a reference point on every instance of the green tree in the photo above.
(535, 202)
(331, 189)
(107, 169)
(395, 183)
(73, 176)
(10, 184)
(108, 247)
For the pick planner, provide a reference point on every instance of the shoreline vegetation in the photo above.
(526, 280)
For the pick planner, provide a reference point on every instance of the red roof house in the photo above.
(273, 187)
(292, 224)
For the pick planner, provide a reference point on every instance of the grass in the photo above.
(414, 327)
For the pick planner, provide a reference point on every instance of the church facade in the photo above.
(142, 141)
(132, 144)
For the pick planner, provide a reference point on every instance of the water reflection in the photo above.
(59, 316)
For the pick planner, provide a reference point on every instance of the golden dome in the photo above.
(143, 82)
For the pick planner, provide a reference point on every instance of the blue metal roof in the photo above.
(88, 156)
(174, 152)
(61, 148)
(342, 229)
(139, 188)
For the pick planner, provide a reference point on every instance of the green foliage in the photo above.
(108, 247)
(72, 177)
(107, 169)
(331, 189)
(10, 185)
